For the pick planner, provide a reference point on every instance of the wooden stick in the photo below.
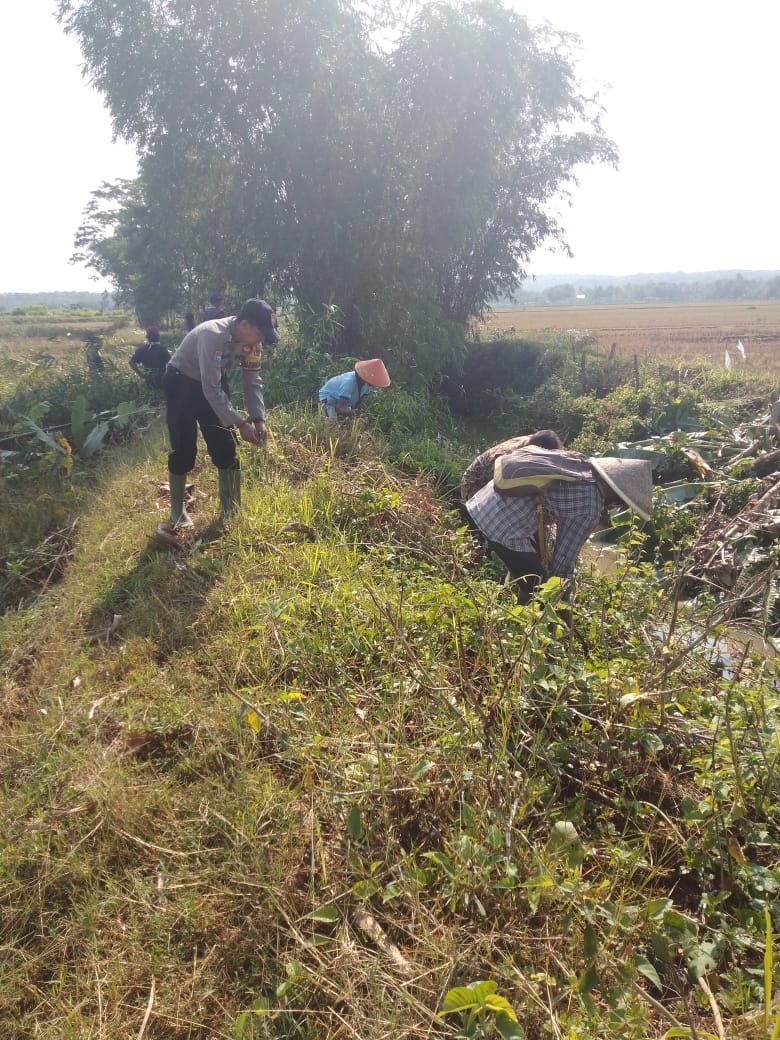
(371, 927)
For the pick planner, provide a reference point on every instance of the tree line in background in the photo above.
(649, 291)
(59, 300)
(395, 172)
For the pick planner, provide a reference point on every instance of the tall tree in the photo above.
(281, 148)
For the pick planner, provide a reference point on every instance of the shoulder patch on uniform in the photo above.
(218, 356)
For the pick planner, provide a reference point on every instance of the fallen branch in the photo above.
(371, 927)
(715, 1009)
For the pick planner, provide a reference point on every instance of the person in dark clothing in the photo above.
(96, 363)
(214, 309)
(196, 395)
(150, 359)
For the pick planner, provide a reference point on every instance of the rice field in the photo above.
(665, 331)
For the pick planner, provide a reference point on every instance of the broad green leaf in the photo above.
(365, 889)
(79, 422)
(327, 914)
(684, 1031)
(462, 998)
(124, 412)
(644, 967)
(674, 919)
(355, 824)
(444, 862)
(634, 451)
(609, 535)
(495, 1002)
(589, 980)
(681, 492)
(509, 1028)
(318, 940)
(534, 888)
(699, 959)
(422, 767)
(45, 438)
(93, 440)
(651, 742)
(291, 695)
(656, 908)
(478, 996)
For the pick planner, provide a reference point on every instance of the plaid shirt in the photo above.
(575, 508)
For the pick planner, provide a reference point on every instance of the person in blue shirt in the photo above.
(342, 396)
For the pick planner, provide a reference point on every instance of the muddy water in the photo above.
(602, 558)
(728, 647)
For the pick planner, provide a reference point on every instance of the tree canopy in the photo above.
(284, 151)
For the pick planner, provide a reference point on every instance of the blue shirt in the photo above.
(346, 386)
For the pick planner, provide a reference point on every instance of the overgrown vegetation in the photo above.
(322, 777)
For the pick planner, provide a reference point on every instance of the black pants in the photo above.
(525, 568)
(186, 408)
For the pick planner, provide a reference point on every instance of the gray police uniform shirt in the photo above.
(208, 351)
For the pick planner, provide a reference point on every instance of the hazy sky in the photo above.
(689, 89)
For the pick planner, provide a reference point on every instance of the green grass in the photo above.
(305, 776)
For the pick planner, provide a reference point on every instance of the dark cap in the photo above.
(262, 316)
(152, 332)
(215, 298)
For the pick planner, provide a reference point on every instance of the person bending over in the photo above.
(197, 395)
(571, 503)
(342, 396)
(480, 471)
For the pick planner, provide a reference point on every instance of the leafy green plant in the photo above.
(484, 1012)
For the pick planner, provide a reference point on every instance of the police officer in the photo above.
(196, 394)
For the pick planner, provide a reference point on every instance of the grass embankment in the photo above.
(308, 776)
(305, 777)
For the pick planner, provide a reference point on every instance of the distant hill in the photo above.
(663, 287)
(57, 300)
(540, 282)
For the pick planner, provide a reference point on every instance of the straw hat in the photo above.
(373, 372)
(630, 479)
